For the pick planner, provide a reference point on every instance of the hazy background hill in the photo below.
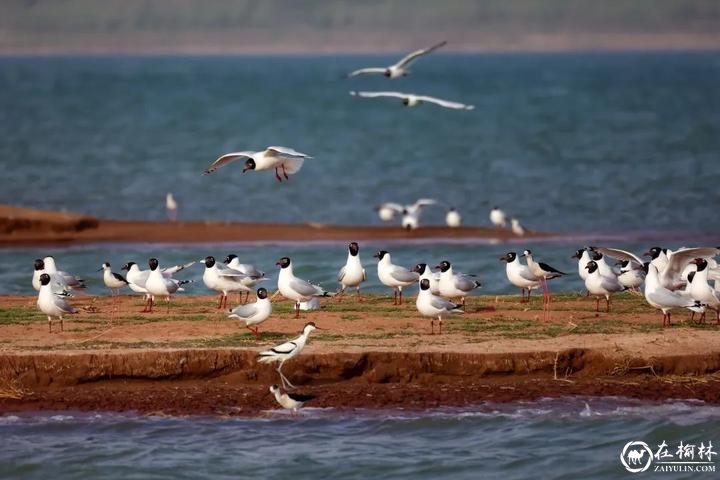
(355, 26)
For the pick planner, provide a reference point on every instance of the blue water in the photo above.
(558, 438)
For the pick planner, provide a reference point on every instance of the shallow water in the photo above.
(552, 438)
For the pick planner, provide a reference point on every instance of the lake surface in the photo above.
(558, 438)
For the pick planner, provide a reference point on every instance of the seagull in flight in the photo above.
(401, 68)
(281, 159)
(414, 100)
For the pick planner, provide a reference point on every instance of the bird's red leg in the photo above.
(277, 175)
(432, 327)
(284, 172)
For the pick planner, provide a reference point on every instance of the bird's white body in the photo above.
(516, 227)
(294, 288)
(582, 263)
(633, 278)
(395, 276)
(452, 285)
(158, 285)
(433, 278)
(353, 273)
(53, 305)
(519, 275)
(310, 305)
(283, 160)
(498, 218)
(253, 275)
(57, 283)
(225, 280)
(253, 313)
(662, 298)
(113, 281)
(399, 69)
(453, 218)
(64, 279)
(602, 285)
(386, 213)
(414, 100)
(430, 305)
(701, 290)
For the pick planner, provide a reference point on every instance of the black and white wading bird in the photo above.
(296, 289)
(283, 160)
(352, 274)
(253, 314)
(394, 276)
(432, 306)
(399, 69)
(113, 281)
(542, 272)
(290, 401)
(286, 351)
(52, 304)
(519, 275)
(414, 100)
(454, 285)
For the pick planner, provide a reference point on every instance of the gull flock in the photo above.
(670, 280)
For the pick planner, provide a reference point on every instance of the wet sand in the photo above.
(21, 226)
(373, 355)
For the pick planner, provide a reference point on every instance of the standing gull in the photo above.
(664, 299)
(424, 271)
(158, 285)
(601, 285)
(294, 288)
(222, 279)
(254, 275)
(432, 306)
(352, 274)
(394, 276)
(453, 218)
(701, 290)
(286, 351)
(255, 313)
(52, 304)
(519, 275)
(401, 68)
(171, 206)
(454, 285)
(281, 159)
(498, 218)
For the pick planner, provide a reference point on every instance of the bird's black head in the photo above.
(354, 249)
(420, 268)
(44, 279)
(387, 73)
(406, 101)
(496, 207)
(527, 253)
(230, 258)
(209, 261)
(690, 276)
(595, 255)
(443, 266)
(509, 257)
(284, 262)
(127, 266)
(249, 165)
(452, 209)
(653, 253)
(701, 264)
(578, 253)
(424, 284)
(646, 266)
(261, 293)
(591, 266)
(153, 264)
(379, 255)
(39, 264)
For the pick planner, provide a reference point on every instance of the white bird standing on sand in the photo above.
(542, 272)
(601, 285)
(290, 401)
(498, 218)
(68, 280)
(352, 274)
(433, 306)
(223, 279)
(414, 100)
(517, 228)
(113, 281)
(701, 291)
(286, 351)
(424, 271)
(453, 218)
(280, 159)
(394, 276)
(158, 285)
(57, 283)
(254, 275)
(137, 278)
(519, 275)
(52, 304)
(664, 299)
(253, 314)
(171, 206)
(401, 68)
(454, 285)
(294, 288)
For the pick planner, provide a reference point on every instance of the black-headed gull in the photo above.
(701, 290)
(158, 285)
(414, 100)
(394, 276)
(253, 314)
(47, 265)
(352, 274)
(281, 159)
(453, 285)
(52, 304)
(664, 299)
(254, 275)
(498, 218)
(284, 352)
(519, 275)
(294, 288)
(432, 306)
(57, 283)
(671, 264)
(453, 218)
(223, 279)
(401, 68)
(289, 401)
(600, 285)
(424, 271)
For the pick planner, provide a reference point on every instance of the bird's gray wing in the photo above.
(404, 275)
(286, 152)
(680, 258)
(250, 271)
(442, 304)
(224, 271)
(227, 158)
(244, 311)
(341, 274)
(365, 71)
(412, 56)
(464, 283)
(305, 288)
(177, 268)
(618, 254)
(63, 305)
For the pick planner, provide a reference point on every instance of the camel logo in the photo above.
(636, 456)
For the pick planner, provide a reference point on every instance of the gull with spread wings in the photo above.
(413, 100)
(401, 68)
(281, 159)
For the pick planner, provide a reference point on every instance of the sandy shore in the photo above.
(24, 226)
(372, 355)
